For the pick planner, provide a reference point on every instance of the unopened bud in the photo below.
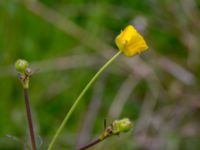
(21, 65)
(123, 125)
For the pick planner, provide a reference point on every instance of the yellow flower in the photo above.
(130, 42)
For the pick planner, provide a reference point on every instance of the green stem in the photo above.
(79, 97)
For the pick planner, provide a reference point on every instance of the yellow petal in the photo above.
(125, 36)
(130, 42)
(135, 46)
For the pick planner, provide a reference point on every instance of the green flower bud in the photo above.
(123, 125)
(21, 65)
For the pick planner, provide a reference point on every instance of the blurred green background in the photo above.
(66, 41)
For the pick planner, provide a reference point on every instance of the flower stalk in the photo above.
(79, 98)
(90, 144)
(29, 116)
(23, 74)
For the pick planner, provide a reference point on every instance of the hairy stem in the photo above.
(30, 123)
(79, 98)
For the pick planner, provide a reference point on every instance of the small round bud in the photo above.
(123, 125)
(21, 65)
(28, 71)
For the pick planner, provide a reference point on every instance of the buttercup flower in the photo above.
(130, 42)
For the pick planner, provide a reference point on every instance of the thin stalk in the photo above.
(30, 123)
(90, 144)
(79, 98)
